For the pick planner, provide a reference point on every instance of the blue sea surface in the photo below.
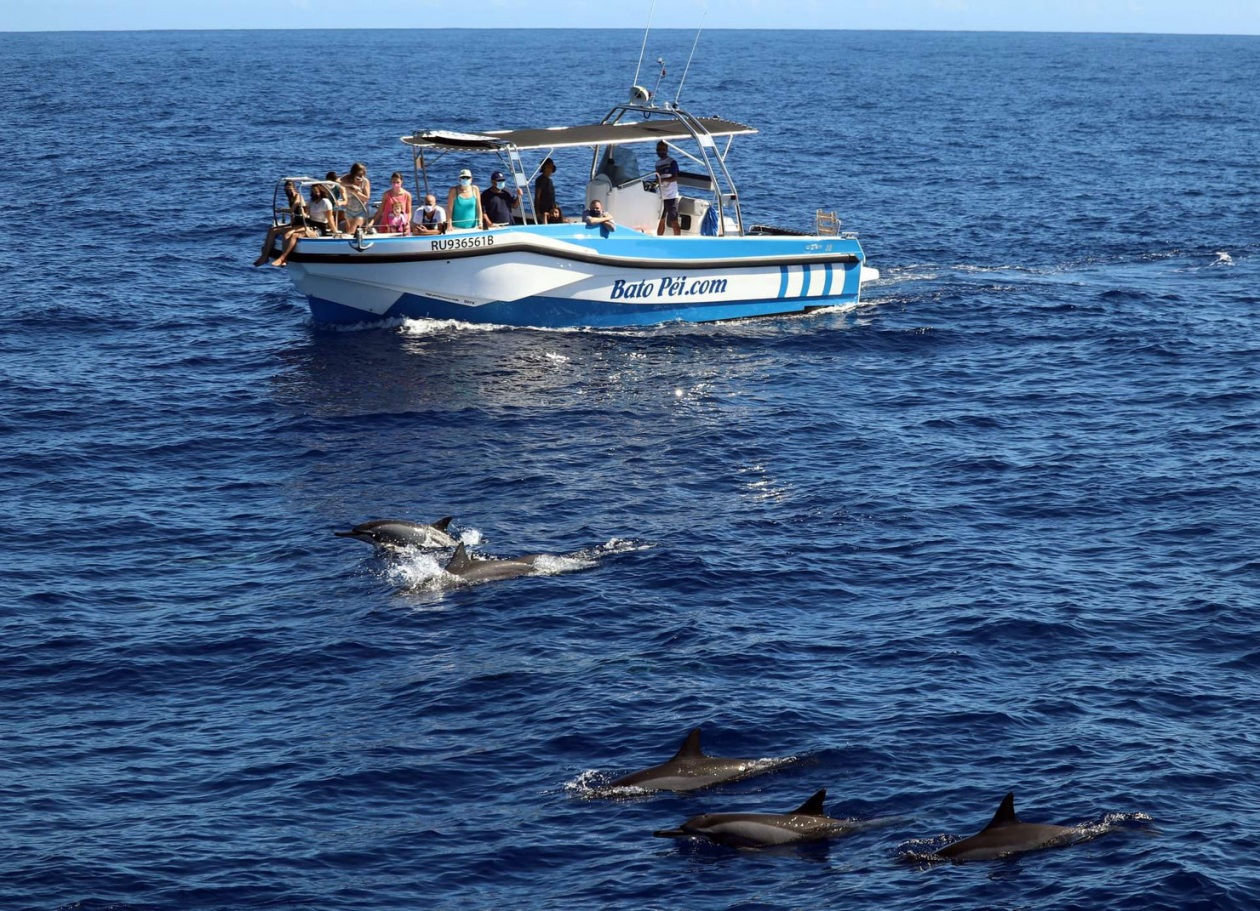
(992, 530)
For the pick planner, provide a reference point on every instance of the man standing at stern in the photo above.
(667, 179)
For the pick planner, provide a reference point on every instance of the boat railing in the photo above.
(695, 181)
(282, 214)
(714, 161)
(826, 223)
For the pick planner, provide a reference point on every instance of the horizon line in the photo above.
(587, 28)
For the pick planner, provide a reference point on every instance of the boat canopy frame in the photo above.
(669, 123)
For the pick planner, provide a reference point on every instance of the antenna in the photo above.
(692, 54)
(659, 77)
(651, 12)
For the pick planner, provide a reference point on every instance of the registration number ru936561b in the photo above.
(461, 243)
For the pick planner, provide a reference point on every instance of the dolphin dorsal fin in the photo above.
(813, 806)
(1005, 815)
(441, 523)
(690, 748)
(459, 561)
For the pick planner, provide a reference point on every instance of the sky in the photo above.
(1213, 17)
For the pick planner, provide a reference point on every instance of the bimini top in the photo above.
(597, 134)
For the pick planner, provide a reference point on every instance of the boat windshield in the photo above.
(620, 165)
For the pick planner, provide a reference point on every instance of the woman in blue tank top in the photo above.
(463, 203)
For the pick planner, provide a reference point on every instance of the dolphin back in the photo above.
(1005, 834)
(690, 748)
(401, 533)
(755, 830)
(1005, 815)
(691, 769)
(813, 806)
(487, 569)
(460, 561)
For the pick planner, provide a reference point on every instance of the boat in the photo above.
(570, 274)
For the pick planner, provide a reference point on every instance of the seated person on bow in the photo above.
(296, 210)
(319, 220)
(429, 218)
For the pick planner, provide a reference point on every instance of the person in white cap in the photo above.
(463, 203)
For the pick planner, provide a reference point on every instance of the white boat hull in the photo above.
(570, 275)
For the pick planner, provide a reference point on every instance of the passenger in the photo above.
(297, 218)
(397, 220)
(545, 191)
(463, 204)
(394, 212)
(358, 196)
(497, 203)
(337, 193)
(321, 215)
(596, 215)
(667, 180)
(321, 219)
(432, 217)
(556, 216)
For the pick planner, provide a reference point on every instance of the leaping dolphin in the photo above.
(807, 822)
(401, 533)
(1007, 834)
(691, 769)
(486, 569)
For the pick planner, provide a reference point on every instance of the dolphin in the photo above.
(1006, 835)
(807, 822)
(401, 533)
(485, 569)
(691, 769)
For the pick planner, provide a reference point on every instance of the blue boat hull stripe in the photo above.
(622, 262)
(552, 312)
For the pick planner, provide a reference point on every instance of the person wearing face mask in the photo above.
(394, 212)
(596, 217)
(463, 203)
(497, 203)
(429, 218)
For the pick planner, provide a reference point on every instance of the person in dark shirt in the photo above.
(595, 216)
(667, 179)
(497, 203)
(545, 191)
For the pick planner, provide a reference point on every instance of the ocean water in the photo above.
(993, 530)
